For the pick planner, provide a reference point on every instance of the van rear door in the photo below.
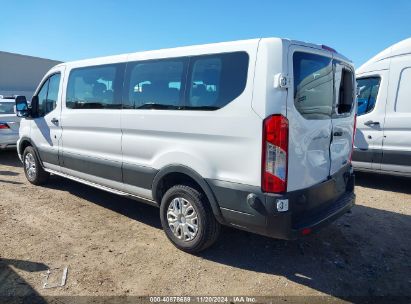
(309, 111)
(343, 116)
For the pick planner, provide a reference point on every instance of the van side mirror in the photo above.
(22, 108)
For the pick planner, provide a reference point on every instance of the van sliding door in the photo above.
(396, 150)
(91, 124)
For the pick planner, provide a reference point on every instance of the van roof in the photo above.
(181, 49)
(200, 48)
(400, 48)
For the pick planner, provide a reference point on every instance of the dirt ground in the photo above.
(115, 246)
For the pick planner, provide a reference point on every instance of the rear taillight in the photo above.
(306, 231)
(4, 126)
(275, 154)
(353, 136)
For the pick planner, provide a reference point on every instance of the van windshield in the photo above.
(313, 85)
(367, 95)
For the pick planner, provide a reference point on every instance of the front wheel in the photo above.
(33, 170)
(187, 219)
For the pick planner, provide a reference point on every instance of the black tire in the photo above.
(208, 227)
(38, 176)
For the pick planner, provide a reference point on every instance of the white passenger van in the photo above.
(254, 134)
(383, 138)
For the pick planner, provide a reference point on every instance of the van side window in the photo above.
(48, 95)
(94, 88)
(216, 80)
(42, 96)
(367, 96)
(205, 82)
(403, 103)
(344, 88)
(209, 82)
(156, 84)
(313, 85)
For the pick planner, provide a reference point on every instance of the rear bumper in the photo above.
(8, 140)
(310, 209)
(316, 221)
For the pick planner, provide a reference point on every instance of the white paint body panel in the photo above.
(397, 127)
(370, 137)
(224, 144)
(394, 132)
(341, 145)
(43, 133)
(309, 140)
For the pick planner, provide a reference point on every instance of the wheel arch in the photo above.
(183, 171)
(24, 143)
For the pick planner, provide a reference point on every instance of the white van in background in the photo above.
(255, 134)
(383, 137)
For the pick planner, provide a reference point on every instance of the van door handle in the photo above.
(371, 123)
(338, 133)
(55, 121)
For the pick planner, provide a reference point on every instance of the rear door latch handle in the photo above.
(371, 123)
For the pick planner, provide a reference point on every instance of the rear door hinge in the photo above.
(282, 81)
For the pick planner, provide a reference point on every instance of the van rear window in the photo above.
(216, 80)
(313, 85)
(344, 82)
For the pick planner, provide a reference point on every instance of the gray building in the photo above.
(21, 74)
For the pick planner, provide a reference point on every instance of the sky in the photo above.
(71, 30)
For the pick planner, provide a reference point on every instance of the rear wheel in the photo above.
(187, 219)
(35, 173)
